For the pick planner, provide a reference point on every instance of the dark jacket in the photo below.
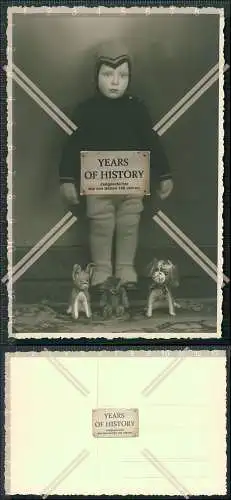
(105, 124)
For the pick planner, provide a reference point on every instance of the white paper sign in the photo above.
(115, 172)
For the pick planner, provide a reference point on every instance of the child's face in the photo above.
(113, 82)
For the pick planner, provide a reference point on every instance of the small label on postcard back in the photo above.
(115, 422)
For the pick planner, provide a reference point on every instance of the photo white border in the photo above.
(116, 11)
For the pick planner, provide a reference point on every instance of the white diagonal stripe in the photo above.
(166, 473)
(162, 376)
(190, 243)
(187, 240)
(66, 472)
(186, 97)
(43, 249)
(44, 97)
(189, 103)
(176, 238)
(40, 243)
(42, 105)
(67, 374)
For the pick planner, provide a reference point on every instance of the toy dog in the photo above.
(80, 297)
(114, 298)
(164, 277)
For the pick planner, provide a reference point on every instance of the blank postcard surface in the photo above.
(150, 423)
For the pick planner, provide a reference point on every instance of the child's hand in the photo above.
(69, 193)
(166, 187)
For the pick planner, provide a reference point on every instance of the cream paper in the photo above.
(181, 400)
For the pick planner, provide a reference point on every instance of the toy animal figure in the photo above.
(164, 277)
(114, 299)
(80, 297)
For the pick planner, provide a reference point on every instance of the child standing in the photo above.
(113, 120)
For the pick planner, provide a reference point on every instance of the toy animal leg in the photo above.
(88, 312)
(75, 308)
(86, 307)
(103, 300)
(170, 303)
(107, 311)
(105, 304)
(149, 308)
(69, 310)
(120, 310)
(124, 299)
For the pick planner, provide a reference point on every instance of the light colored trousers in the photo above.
(108, 214)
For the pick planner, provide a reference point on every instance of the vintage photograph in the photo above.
(128, 423)
(115, 160)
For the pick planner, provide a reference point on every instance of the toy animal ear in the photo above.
(90, 269)
(151, 268)
(173, 276)
(76, 270)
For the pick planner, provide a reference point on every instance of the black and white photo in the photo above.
(115, 160)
